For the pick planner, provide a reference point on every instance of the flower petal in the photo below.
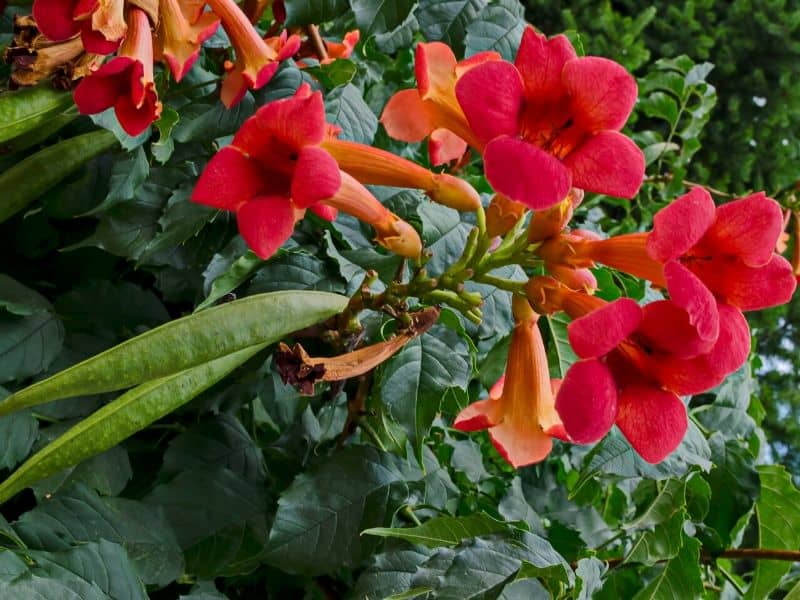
(587, 401)
(748, 288)
(681, 225)
(95, 42)
(406, 118)
(654, 421)
(100, 90)
(298, 121)
(265, 223)
(54, 19)
(229, 180)
(703, 372)
(666, 328)
(687, 291)
(602, 93)
(607, 163)
(491, 97)
(747, 228)
(316, 177)
(135, 118)
(599, 332)
(444, 147)
(478, 415)
(435, 69)
(540, 62)
(525, 173)
(520, 446)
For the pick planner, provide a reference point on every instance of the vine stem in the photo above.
(515, 287)
(317, 42)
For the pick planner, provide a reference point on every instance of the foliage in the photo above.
(150, 446)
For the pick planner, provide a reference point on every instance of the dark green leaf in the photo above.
(345, 107)
(448, 20)
(444, 530)
(680, 578)
(498, 27)
(304, 12)
(389, 573)
(380, 16)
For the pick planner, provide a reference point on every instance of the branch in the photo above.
(320, 49)
(733, 553)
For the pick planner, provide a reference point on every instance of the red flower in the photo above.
(126, 81)
(342, 49)
(519, 412)
(256, 61)
(730, 248)
(635, 363)
(183, 26)
(275, 169)
(431, 109)
(101, 23)
(551, 121)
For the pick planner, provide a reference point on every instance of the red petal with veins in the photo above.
(100, 90)
(607, 163)
(525, 173)
(748, 288)
(587, 401)
(687, 291)
(703, 372)
(602, 93)
(540, 62)
(599, 332)
(316, 177)
(681, 225)
(653, 421)
(229, 180)
(298, 121)
(265, 223)
(666, 328)
(491, 97)
(748, 228)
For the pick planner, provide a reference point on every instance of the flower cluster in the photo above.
(547, 128)
(134, 35)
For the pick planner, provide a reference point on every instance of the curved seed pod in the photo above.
(184, 343)
(27, 108)
(131, 412)
(30, 178)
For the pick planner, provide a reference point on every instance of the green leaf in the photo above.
(162, 149)
(104, 565)
(116, 421)
(590, 573)
(444, 234)
(127, 176)
(778, 514)
(320, 517)
(31, 177)
(31, 335)
(305, 12)
(389, 573)
(220, 441)
(728, 413)
(663, 542)
(380, 16)
(345, 107)
(17, 434)
(562, 350)
(680, 578)
(183, 343)
(447, 20)
(339, 72)
(414, 381)
(498, 27)
(223, 535)
(295, 271)
(444, 530)
(734, 486)
(201, 122)
(25, 109)
(79, 516)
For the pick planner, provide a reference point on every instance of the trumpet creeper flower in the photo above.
(431, 110)
(519, 412)
(275, 169)
(100, 23)
(551, 121)
(180, 34)
(126, 81)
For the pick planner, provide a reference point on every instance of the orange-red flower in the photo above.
(101, 23)
(182, 28)
(519, 412)
(275, 169)
(126, 81)
(551, 121)
(256, 61)
(431, 110)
